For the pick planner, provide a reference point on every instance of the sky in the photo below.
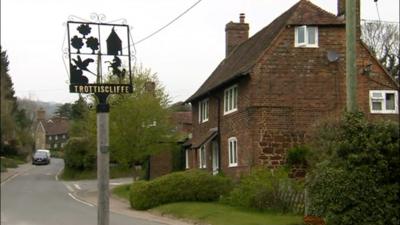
(183, 54)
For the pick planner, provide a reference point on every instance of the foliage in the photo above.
(192, 185)
(260, 190)
(75, 174)
(80, 154)
(64, 110)
(297, 155)
(383, 40)
(15, 123)
(139, 122)
(219, 214)
(359, 182)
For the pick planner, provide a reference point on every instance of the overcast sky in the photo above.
(183, 55)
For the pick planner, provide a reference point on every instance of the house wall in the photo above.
(294, 88)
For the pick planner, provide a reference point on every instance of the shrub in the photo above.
(80, 154)
(297, 155)
(260, 190)
(359, 183)
(191, 185)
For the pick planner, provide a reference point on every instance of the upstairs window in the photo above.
(383, 101)
(230, 99)
(306, 36)
(203, 111)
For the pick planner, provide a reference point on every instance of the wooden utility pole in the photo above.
(351, 65)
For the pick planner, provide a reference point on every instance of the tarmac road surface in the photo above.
(36, 197)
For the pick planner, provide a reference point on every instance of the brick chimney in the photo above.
(236, 33)
(341, 6)
(150, 87)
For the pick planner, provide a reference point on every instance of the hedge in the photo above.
(193, 185)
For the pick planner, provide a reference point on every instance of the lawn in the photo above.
(9, 163)
(219, 214)
(216, 213)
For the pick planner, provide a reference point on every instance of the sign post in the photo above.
(85, 50)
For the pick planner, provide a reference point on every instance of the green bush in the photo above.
(359, 182)
(191, 185)
(260, 190)
(297, 155)
(80, 154)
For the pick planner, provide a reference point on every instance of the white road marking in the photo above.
(77, 186)
(58, 173)
(10, 178)
(69, 188)
(83, 202)
(116, 183)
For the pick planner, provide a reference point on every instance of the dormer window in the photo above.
(306, 36)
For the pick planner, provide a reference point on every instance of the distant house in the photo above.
(114, 44)
(163, 162)
(264, 97)
(50, 133)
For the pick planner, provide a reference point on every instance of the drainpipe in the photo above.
(219, 132)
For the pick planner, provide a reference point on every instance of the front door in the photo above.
(215, 157)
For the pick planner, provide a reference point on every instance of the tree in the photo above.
(139, 123)
(383, 39)
(93, 44)
(8, 101)
(64, 110)
(79, 109)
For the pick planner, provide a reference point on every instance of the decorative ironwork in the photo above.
(95, 47)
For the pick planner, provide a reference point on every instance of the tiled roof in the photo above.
(240, 62)
(56, 126)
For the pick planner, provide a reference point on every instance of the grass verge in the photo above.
(216, 213)
(72, 174)
(9, 163)
(219, 214)
(122, 191)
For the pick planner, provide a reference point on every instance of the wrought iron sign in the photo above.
(99, 58)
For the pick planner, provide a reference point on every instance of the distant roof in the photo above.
(240, 62)
(56, 126)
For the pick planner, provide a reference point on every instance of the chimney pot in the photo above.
(241, 17)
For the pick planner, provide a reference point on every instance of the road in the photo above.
(35, 197)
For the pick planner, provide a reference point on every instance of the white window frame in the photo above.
(203, 110)
(56, 137)
(187, 159)
(232, 152)
(383, 101)
(202, 157)
(231, 99)
(306, 41)
(49, 138)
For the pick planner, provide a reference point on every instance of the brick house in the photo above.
(162, 163)
(271, 88)
(52, 133)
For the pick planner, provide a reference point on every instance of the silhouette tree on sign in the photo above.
(84, 29)
(77, 43)
(93, 44)
(83, 64)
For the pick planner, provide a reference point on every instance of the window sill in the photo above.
(233, 165)
(384, 112)
(306, 46)
(230, 112)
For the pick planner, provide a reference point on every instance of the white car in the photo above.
(45, 151)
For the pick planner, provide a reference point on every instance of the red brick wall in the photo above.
(160, 164)
(289, 90)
